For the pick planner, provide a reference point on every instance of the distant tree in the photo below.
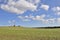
(13, 25)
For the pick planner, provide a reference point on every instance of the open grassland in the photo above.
(18, 33)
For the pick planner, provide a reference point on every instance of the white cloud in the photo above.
(56, 10)
(19, 6)
(26, 17)
(26, 20)
(34, 1)
(58, 13)
(39, 18)
(48, 21)
(52, 20)
(21, 17)
(58, 20)
(45, 7)
(11, 21)
(44, 21)
(11, 9)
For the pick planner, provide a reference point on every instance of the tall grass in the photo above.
(18, 33)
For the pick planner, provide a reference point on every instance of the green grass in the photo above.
(18, 33)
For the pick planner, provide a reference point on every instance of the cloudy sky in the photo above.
(30, 13)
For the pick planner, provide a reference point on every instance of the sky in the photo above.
(30, 13)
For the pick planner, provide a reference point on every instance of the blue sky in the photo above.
(30, 13)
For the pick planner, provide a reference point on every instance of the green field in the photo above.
(18, 33)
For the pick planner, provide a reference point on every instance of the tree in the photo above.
(13, 25)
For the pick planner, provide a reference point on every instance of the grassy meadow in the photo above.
(19, 33)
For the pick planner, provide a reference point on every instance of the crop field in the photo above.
(19, 33)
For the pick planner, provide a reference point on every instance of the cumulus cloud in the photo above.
(52, 20)
(24, 18)
(39, 18)
(34, 1)
(21, 17)
(58, 20)
(11, 21)
(58, 13)
(56, 10)
(19, 6)
(45, 7)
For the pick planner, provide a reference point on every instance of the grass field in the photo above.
(18, 33)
